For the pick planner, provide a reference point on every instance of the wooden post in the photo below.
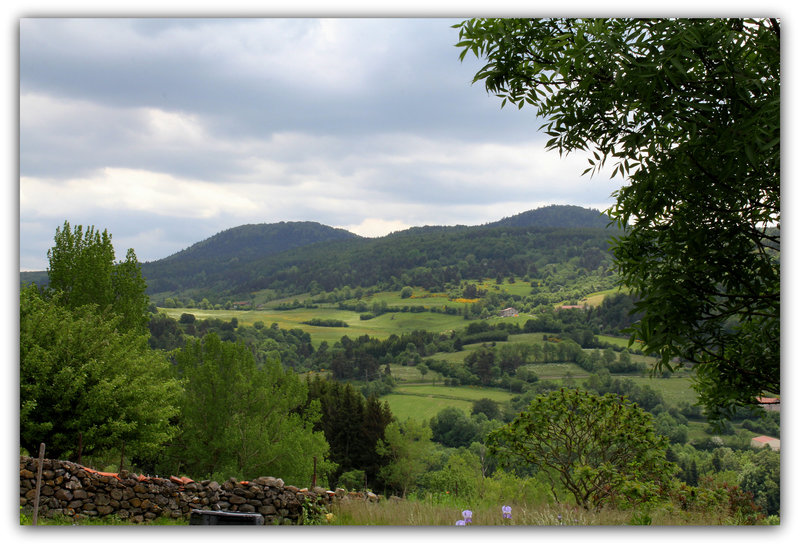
(80, 447)
(314, 476)
(122, 456)
(38, 485)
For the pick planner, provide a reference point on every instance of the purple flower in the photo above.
(467, 514)
(460, 523)
(506, 511)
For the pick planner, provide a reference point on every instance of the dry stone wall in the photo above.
(71, 489)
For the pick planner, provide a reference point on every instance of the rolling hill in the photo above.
(225, 252)
(556, 216)
(295, 257)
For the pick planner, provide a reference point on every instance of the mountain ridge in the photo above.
(293, 255)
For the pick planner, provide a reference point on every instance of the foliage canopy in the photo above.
(243, 419)
(688, 112)
(81, 376)
(82, 268)
(599, 447)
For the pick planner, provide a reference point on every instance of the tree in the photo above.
(488, 407)
(241, 419)
(352, 426)
(512, 356)
(452, 427)
(81, 265)
(688, 112)
(481, 363)
(409, 449)
(82, 268)
(598, 447)
(762, 476)
(460, 476)
(667, 426)
(84, 381)
(377, 417)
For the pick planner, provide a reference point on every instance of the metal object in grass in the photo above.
(214, 518)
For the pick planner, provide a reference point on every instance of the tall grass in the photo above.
(430, 511)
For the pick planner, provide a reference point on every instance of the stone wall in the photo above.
(71, 489)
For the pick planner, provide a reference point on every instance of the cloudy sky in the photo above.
(167, 131)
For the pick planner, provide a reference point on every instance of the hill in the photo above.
(297, 257)
(224, 252)
(557, 216)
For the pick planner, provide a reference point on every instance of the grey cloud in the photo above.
(279, 103)
(416, 83)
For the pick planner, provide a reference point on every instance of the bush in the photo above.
(353, 480)
(315, 322)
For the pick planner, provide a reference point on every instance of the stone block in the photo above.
(267, 510)
(101, 499)
(62, 494)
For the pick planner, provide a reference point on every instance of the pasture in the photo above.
(422, 402)
(380, 327)
(432, 319)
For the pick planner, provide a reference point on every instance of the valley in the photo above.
(396, 358)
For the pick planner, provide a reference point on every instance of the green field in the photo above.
(422, 402)
(414, 399)
(675, 390)
(383, 325)
(380, 327)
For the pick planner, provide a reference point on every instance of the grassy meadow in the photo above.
(424, 401)
(486, 511)
(381, 326)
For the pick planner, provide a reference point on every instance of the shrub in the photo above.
(353, 480)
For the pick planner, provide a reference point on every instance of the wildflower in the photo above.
(559, 519)
(506, 511)
(467, 514)
(329, 517)
(460, 523)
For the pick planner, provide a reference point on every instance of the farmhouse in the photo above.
(509, 312)
(770, 403)
(759, 442)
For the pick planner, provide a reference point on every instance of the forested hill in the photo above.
(557, 216)
(214, 257)
(296, 257)
(428, 256)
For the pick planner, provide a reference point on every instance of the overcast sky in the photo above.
(167, 131)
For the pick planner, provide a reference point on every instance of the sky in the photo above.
(168, 131)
